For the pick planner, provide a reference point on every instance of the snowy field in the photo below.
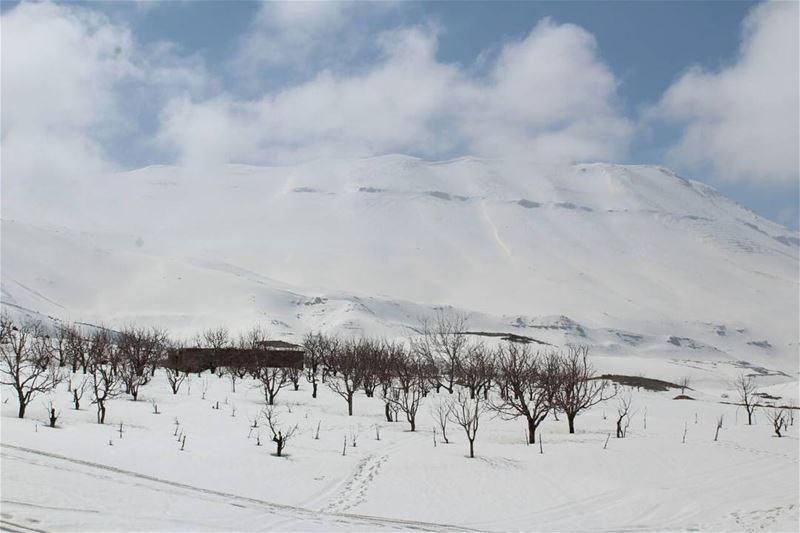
(82, 476)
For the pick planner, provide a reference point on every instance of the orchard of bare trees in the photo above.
(461, 379)
(469, 378)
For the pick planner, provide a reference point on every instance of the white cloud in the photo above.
(548, 96)
(743, 120)
(73, 84)
(79, 83)
(287, 33)
(60, 67)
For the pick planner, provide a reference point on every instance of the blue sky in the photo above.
(707, 88)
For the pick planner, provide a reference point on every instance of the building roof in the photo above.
(278, 345)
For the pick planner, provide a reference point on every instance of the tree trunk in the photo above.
(749, 417)
(101, 413)
(349, 405)
(314, 389)
(471, 449)
(388, 411)
(571, 422)
(531, 431)
(22, 406)
(413, 424)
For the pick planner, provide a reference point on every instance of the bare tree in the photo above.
(747, 391)
(684, 383)
(409, 387)
(52, 414)
(441, 412)
(233, 376)
(348, 371)
(60, 343)
(526, 384)
(466, 413)
(577, 387)
(78, 387)
(216, 339)
(26, 361)
(272, 381)
(317, 346)
(372, 361)
(175, 376)
(293, 375)
(443, 342)
(777, 416)
(237, 367)
(475, 369)
(103, 363)
(76, 347)
(280, 434)
(391, 351)
(623, 415)
(140, 350)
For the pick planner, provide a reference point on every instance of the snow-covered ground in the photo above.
(82, 476)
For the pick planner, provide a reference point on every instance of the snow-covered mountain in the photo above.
(631, 259)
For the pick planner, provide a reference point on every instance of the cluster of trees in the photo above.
(272, 379)
(750, 398)
(33, 361)
(512, 380)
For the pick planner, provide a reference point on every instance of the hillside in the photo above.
(630, 259)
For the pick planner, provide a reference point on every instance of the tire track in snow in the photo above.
(13, 527)
(300, 513)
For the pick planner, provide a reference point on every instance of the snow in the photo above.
(369, 246)
(71, 479)
(659, 275)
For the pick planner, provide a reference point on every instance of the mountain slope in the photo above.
(634, 249)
